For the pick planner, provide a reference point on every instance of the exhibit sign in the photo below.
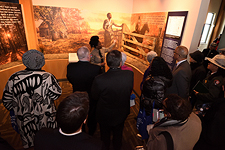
(173, 35)
(12, 33)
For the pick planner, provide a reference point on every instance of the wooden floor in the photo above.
(130, 141)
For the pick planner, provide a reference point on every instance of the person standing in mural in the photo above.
(107, 26)
(30, 94)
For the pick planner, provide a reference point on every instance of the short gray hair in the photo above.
(124, 58)
(182, 51)
(150, 55)
(82, 52)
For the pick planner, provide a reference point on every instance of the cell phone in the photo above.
(160, 114)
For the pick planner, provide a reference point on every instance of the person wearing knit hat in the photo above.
(197, 56)
(33, 59)
(30, 95)
(198, 72)
(213, 81)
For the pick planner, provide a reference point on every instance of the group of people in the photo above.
(104, 98)
(185, 77)
(98, 97)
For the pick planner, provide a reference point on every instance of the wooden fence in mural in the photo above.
(131, 45)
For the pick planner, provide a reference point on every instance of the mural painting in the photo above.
(145, 34)
(64, 30)
(12, 33)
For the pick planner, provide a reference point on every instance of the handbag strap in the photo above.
(100, 54)
(169, 140)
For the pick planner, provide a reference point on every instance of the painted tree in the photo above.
(52, 16)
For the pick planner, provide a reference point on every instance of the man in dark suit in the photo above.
(81, 75)
(181, 74)
(112, 91)
(71, 115)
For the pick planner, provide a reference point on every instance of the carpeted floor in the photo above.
(130, 141)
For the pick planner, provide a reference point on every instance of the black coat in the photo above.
(154, 88)
(81, 75)
(198, 74)
(213, 131)
(51, 139)
(112, 92)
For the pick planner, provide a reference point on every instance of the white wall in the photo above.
(197, 11)
(121, 6)
(214, 7)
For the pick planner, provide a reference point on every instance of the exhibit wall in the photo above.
(197, 11)
(12, 33)
(214, 7)
(152, 25)
(64, 30)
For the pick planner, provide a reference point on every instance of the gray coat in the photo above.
(181, 80)
(184, 136)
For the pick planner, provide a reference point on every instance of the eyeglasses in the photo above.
(175, 53)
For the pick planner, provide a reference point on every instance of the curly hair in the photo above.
(94, 41)
(159, 67)
(179, 108)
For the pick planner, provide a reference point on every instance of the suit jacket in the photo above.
(181, 80)
(112, 92)
(51, 139)
(81, 75)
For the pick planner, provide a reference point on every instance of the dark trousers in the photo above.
(117, 131)
(91, 121)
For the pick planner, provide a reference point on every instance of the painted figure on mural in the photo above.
(107, 26)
